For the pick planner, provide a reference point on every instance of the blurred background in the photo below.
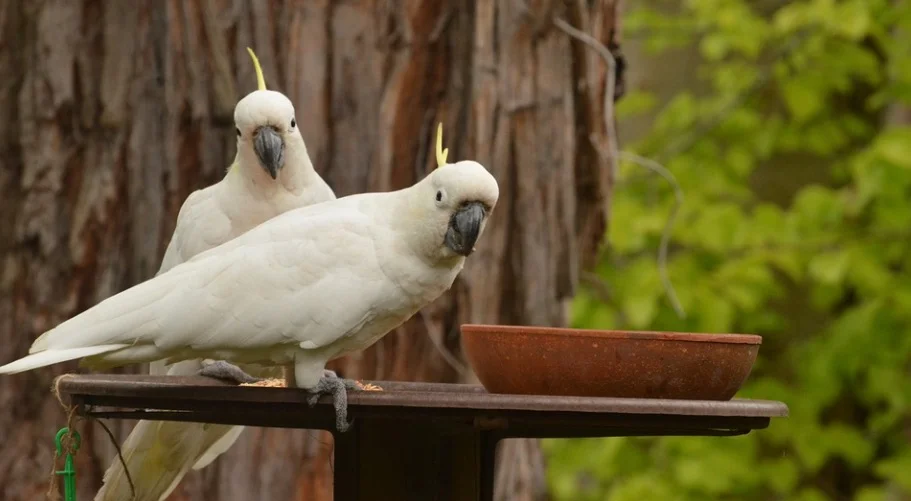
(782, 126)
(787, 127)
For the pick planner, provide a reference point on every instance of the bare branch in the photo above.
(610, 83)
(662, 171)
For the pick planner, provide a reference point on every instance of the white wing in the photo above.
(201, 225)
(310, 289)
(300, 278)
(159, 454)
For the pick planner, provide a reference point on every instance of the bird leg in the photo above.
(331, 384)
(228, 372)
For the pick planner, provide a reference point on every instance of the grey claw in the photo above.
(338, 388)
(229, 372)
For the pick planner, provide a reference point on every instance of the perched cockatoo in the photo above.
(299, 290)
(271, 174)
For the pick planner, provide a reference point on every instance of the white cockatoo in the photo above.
(271, 174)
(303, 288)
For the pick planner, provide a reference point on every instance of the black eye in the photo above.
(293, 123)
(439, 196)
(238, 132)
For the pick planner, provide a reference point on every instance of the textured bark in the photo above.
(115, 111)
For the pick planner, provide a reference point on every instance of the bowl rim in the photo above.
(695, 337)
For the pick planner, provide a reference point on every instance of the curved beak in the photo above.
(270, 149)
(465, 227)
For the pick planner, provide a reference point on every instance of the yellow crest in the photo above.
(441, 153)
(260, 80)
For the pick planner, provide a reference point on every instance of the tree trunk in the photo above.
(117, 110)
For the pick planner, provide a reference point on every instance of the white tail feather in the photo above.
(51, 357)
(218, 448)
(158, 454)
(122, 318)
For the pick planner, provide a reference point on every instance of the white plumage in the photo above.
(302, 288)
(158, 454)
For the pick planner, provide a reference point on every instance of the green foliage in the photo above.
(796, 226)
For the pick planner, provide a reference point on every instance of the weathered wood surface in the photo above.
(115, 111)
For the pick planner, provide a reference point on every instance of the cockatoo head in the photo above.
(266, 127)
(459, 198)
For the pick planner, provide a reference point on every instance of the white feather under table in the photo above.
(412, 441)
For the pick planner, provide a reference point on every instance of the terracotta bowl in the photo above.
(630, 364)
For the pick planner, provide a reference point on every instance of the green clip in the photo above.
(69, 468)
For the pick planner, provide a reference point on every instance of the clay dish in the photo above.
(630, 364)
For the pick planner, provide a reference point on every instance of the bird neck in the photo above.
(293, 178)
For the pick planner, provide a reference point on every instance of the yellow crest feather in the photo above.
(441, 153)
(260, 80)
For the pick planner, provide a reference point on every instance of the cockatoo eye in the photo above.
(439, 196)
(293, 123)
(238, 131)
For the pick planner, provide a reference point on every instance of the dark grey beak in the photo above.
(270, 149)
(464, 228)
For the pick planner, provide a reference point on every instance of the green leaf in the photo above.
(782, 474)
(894, 146)
(830, 267)
(717, 314)
(896, 468)
(849, 444)
(871, 493)
(714, 46)
(791, 17)
(869, 273)
(635, 102)
(802, 99)
(852, 19)
(640, 310)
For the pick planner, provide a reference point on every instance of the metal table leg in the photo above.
(383, 459)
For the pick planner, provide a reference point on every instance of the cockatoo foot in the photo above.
(228, 372)
(338, 388)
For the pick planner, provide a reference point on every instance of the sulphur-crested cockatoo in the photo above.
(299, 290)
(271, 174)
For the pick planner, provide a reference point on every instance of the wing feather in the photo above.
(306, 279)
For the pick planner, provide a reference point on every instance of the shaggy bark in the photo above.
(115, 111)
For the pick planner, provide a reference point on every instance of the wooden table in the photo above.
(413, 441)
